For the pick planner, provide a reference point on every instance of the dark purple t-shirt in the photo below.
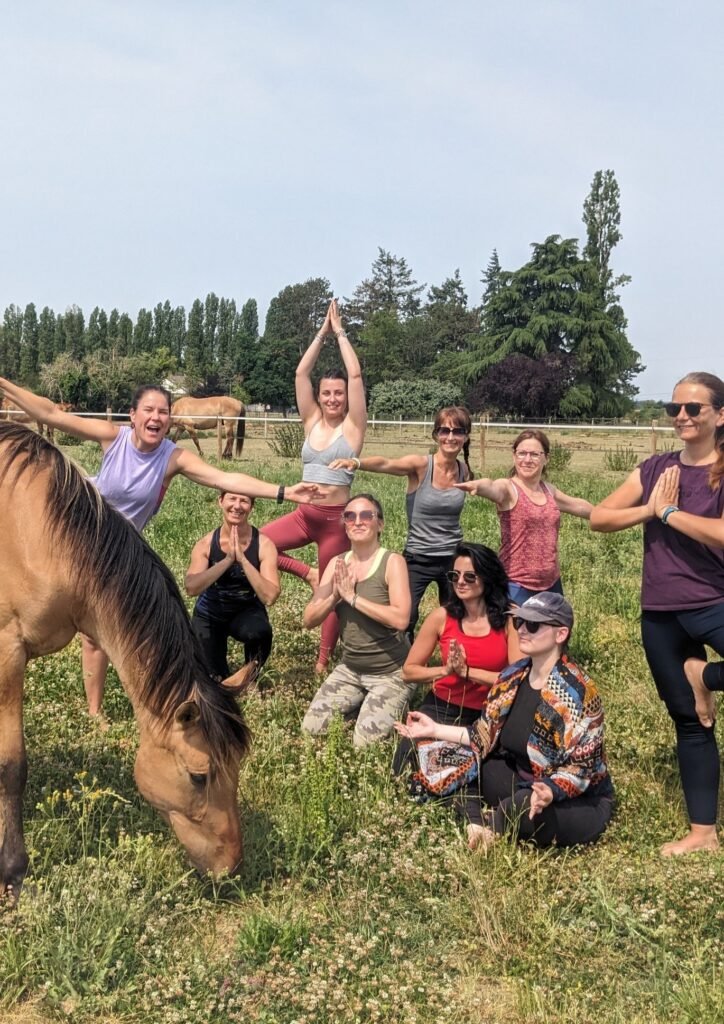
(681, 573)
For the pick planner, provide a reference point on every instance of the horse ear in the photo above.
(242, 679)
(187, 714)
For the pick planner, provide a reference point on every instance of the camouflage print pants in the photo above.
(380, 701)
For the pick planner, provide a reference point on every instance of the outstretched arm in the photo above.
(573, 506)
(499, 491)
(188, 464)
(409, 465)
(356, 401)
(306, 402)
(45, 411)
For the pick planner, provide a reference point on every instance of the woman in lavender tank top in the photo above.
(139, 463)
(529, 511)
(679, 498)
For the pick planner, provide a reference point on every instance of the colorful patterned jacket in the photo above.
(566, 748)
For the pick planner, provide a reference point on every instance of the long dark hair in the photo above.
(715, 386)
(460, 417)
(495, 584)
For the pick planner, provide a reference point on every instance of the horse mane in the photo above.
(126, 580)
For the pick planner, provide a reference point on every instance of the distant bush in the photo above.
(412, 399)
(622, 459)
(288, 440)
(559, 457)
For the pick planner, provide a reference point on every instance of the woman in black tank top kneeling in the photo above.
(234, 570)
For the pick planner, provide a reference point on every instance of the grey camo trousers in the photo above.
(380, 700)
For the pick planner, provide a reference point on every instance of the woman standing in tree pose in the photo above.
(434, 504)
(476, 638)
(679, 497)
(369, 586)
(335, 422)
(529, 511)
(139, 463)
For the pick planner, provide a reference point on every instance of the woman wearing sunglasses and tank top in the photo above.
(679, 498)
(529, 510)
(434, 503)
(476, 640)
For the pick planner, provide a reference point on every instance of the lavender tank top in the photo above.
(680, 573)
(132, 481)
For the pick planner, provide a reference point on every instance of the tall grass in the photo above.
(355, 905)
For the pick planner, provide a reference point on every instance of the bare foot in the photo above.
(99, 720)
(312, 577)
(701, 837)
(703, 696)
(320, 668)
(480, 837)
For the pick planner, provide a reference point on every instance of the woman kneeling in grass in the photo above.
(539, 741)
(368, 586)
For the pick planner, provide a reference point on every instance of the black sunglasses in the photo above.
(455, 431)
(365, 516)
(531, 627)
(453, 575)
(692, 409)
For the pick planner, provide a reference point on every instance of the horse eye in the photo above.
(199, 778)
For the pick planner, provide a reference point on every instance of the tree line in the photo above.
(545, 340)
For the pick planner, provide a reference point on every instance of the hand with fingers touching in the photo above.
(344, 581)
(457, 660)
(541, 796)
(335, 319)
(666, 491)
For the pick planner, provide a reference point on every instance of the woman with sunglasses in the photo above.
(476, 639)
(529, 510)
(539, 741)
(679, 497)
(434, 504)
(335, 422)
(369, 590)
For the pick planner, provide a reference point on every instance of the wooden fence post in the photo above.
(219, 436)
(483, 438)
(654, 425)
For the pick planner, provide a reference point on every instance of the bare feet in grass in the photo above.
(701, 837)
(480, 837)
(703, 696)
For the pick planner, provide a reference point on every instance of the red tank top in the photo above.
(529, 541)
(489, 652)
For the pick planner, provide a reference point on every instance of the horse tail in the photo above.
(240, 431)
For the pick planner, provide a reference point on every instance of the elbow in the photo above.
(399, 621)
(190, 587)
(273, 596)
(408, 672)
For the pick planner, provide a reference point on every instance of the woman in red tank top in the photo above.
(476, 639)
(529, 511)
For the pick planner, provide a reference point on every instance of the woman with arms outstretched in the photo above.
(434, 503)
(679, 498)
(335, 422)
(529, 510)
(139, 463)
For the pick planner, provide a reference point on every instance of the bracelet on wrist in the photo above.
(357, 462)
(280, 495)
(353, 601)
(668, 511)
(340, 334)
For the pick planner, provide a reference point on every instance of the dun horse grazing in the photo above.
(219, 406)
(70, 563)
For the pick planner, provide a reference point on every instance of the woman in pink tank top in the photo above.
(132, 469)
(529, 510)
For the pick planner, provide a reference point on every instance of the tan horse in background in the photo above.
(8, 411)
(219, 406)
(72, 564)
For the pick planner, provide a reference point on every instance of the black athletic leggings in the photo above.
(423, 571)
(572, 822)
(669, 638)
(249, 626)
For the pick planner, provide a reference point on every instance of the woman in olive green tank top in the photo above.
(369, 589)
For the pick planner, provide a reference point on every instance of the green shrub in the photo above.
(622, 459)
(288, 440)
(559, 457)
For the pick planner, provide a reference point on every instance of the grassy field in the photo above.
(355, 905)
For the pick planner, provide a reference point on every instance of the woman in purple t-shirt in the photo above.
(139, 463)
(679, 497)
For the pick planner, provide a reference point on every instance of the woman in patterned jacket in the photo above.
(539, 740)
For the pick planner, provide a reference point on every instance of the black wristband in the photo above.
(280, 494)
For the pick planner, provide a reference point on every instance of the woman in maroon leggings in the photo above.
(335, 422)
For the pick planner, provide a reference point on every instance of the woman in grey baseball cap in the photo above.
(538, 741)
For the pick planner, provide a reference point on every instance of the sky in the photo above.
(160, 150)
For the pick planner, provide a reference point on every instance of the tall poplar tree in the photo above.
(29, 350)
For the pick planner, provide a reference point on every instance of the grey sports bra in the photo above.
(315, 463)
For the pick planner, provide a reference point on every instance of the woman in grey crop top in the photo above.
(434, 503)
(335, 421)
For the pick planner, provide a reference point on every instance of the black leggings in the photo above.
(572, 822)
(249, 626)
(669, 638)
(424, 571)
